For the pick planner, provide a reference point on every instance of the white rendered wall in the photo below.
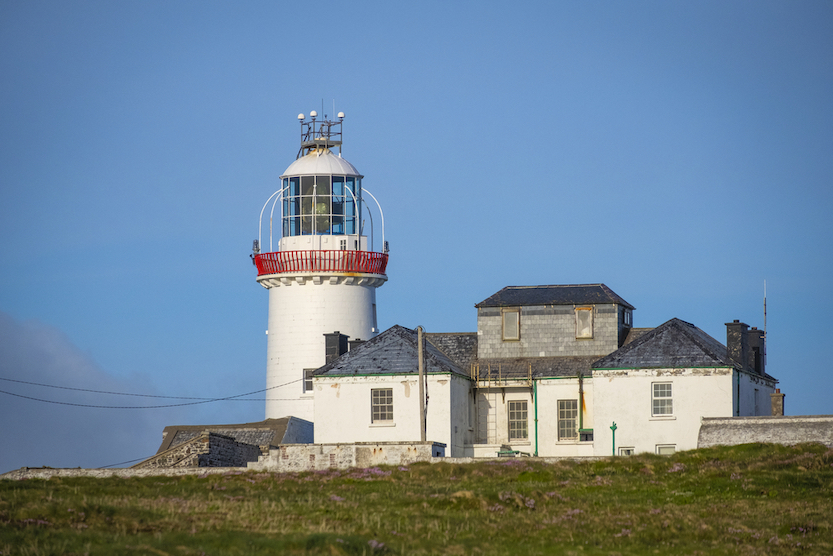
(624, 397)
(550, 391)
(301, 310)
(745, 402)
(343, 410)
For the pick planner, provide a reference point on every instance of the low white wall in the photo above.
(624, 397)
(778, 430)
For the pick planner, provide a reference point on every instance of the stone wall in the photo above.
(730, 431)
(209, 449)
(307, 457)
(547, 331)
(47, 473)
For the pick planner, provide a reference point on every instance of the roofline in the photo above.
(599, 284)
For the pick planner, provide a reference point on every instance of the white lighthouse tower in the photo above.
(320, 269)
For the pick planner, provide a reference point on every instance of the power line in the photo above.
(101, 391)
(123, 462)
(202, 400)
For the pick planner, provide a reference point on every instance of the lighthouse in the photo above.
(321, 262)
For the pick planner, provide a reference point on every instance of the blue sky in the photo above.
(678, 152)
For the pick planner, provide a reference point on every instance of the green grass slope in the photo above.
(751, 499)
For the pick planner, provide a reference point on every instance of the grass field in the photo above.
(752, 499)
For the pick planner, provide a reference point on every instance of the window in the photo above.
(584, 322)
(567, 415)
(512, 324)
(517, 421)
(381, 404)
(308, 379)
(662, 404)
(321, 205)
(627, 317)
(666, 449)
(627, 451)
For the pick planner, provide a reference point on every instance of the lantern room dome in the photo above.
(321, 162)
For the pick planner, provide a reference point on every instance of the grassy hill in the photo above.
(752, 499)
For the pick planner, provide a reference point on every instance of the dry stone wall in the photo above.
(308, 457)
(209, 449)
(730, 431)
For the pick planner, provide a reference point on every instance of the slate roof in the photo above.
(394, 351)
(269, 432)
(635, 333)
(460, 347)
(542, 367)
(577, 294)
(673, 344)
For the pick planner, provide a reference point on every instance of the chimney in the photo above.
(755, 339)
(737, 343)
(777, 403)
(335, 345)
(355, 343)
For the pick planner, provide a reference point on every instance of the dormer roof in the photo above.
(576, 294)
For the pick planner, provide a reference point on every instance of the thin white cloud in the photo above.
(35, 434)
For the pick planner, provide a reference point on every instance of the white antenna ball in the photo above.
(341, 114)
(300, 117)
(313, 114)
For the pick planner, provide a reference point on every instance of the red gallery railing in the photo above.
(278, 262)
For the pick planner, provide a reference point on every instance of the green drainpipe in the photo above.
(613, 428)
(580, 404)
(535, 405)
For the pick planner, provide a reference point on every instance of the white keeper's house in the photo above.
(551, 371)
(554, 370)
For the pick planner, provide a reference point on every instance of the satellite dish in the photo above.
(341, 115)
(301, 117)
(313, 114)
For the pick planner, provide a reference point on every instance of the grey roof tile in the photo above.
(578, 294)
(540, 367)
(394, 351)
(675, 343)
(460, 347)
(268, 432)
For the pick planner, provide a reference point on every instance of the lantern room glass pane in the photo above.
(321, 205)
(307, 183)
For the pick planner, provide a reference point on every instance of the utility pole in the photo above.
(421, 385)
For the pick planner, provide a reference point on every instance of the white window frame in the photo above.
(381, 405)
(665, 400)
(563, 417)
(627, 451)
(666, 449)
(584, 332)
(307, 382)
(511, 333)
(519, 409)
